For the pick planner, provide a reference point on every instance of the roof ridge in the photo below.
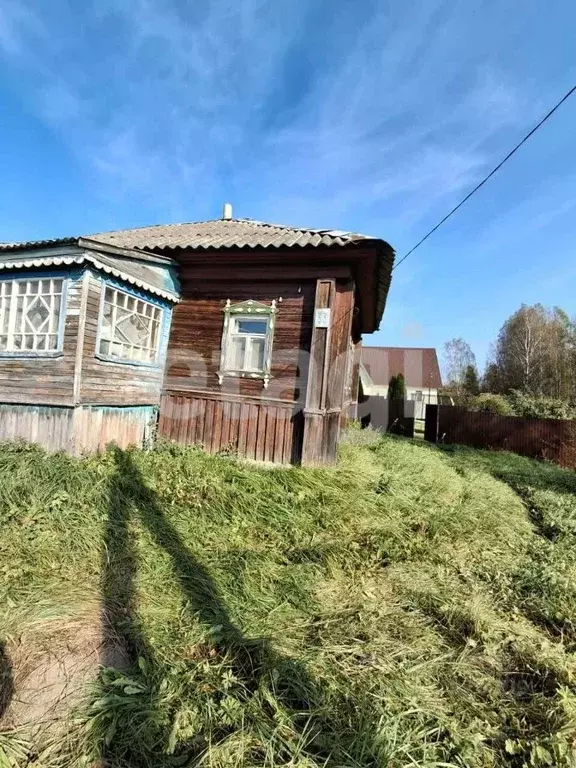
(392, 346)
(291, 228)
(242, 220)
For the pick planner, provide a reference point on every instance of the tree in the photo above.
(471, 384)
(397, 388)
(491, 379)
(520, 349)
(560, 375)
(536, 353)
(457, 356)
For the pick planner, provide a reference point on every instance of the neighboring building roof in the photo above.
(148, 277)
(418, 365)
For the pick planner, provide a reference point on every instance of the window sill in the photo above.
(32, 354)
(132, 363)
(261, 375)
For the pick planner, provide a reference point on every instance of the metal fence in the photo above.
(549, 439)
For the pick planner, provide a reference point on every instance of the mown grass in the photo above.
(410, 607)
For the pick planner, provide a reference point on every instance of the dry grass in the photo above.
(410, 607)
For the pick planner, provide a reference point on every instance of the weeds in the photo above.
(410, 607)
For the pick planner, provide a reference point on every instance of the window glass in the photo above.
(252, 326)
(256, 360)
(238, 350)
(129, 327)
(246, 344)
(30, 312)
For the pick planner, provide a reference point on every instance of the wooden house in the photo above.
(233, 334)
(418, 365)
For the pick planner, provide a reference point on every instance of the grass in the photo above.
(414, 606)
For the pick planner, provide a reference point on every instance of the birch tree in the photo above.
(458, 356)
(536, 352)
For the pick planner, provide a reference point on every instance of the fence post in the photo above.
(431, 423)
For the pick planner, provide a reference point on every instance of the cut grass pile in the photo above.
(409, 607)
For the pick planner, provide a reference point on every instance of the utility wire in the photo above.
(484, 180)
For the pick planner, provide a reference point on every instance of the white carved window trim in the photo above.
(114, 344)
(233, 314)
(22, 331)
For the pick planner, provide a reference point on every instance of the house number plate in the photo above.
(322, 318)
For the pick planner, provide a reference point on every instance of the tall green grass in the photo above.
(409, 607)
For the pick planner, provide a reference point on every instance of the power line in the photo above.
(485, 179)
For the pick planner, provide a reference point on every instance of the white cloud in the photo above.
(412, 332)
(19, 26)
(172, 103)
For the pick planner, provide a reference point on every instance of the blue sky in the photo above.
(371, 116)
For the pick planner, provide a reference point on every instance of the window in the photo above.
(30, 316)
(247, 344)
(247, 340)
(129, 327)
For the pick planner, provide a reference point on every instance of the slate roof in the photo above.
(418, 365)
(146, 276)
(38, 244)
(225, 233)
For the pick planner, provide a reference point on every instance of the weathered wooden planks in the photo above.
(109, 383)
(78, 430)
(263, 430)
(45, 380)
(196, 333)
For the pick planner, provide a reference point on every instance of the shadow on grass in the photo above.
(6, 681)
(286, 708)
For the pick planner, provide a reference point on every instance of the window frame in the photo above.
(42, 353)
(247, 310)
(141, 296)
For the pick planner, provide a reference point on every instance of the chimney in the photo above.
(227, 211)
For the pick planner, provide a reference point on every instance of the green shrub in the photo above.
(539, 407)
(492, 404)
(397, 388)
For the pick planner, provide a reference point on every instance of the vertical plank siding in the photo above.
(76, 430)
(262, 430)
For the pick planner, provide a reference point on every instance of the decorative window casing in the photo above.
(129, 328)
(247, 340)
(31, 316)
